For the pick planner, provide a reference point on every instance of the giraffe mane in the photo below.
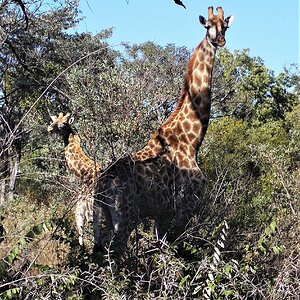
(178, 106)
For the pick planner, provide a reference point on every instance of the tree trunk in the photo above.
(2, 191)
(3, 176)
(14, 166)
(9, 169)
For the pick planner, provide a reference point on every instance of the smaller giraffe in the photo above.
(83, 168)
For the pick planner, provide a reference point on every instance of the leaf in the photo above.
(273, 226)
(12, 292)
(228, 293)
(22, 242)
(228, 269)
(278, 249)
(9, 294)
(183, 280)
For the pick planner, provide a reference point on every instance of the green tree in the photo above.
(30, 60)
(245, 88)
(125, 98)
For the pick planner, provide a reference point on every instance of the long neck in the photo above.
(66, 133)
(199, 71)
(77, 162)
(183, 132)
(196, 94)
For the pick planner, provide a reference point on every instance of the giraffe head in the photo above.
(216, 26)
(60, 124)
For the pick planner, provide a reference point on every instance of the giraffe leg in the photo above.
(127, 219)
(188, 202)
(80, 211)
(120, 239)
(89, 208)
(96, 223)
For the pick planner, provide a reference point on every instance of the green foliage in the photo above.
(12, 293)
(244, 87)
(256, 167)
(124, 96)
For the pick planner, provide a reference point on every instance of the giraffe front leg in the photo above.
(80, 211)
(96, 230)
(121, 235)
(89, 208)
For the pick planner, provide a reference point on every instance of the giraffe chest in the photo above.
(80, 167)
(145, 187)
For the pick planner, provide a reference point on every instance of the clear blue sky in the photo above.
(269, 28)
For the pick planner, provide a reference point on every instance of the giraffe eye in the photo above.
(208, 25)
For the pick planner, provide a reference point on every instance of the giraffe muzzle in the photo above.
(221, 40)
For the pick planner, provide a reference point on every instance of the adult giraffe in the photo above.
(163, 179)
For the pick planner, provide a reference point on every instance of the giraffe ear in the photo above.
(229, 20)
(202, 21)
(71, 120)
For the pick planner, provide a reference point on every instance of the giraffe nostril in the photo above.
(221, 41)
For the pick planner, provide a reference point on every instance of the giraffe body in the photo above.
(163, 180)
(85, 169)
(133, 190)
